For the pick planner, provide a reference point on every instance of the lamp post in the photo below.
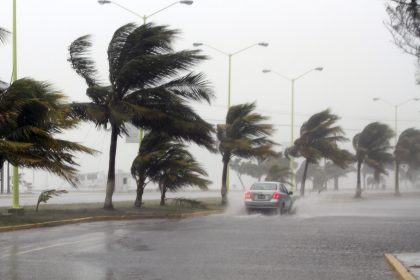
(15, 197)
(144, 17)
(395, 112)
(230, 55)
(292, 81)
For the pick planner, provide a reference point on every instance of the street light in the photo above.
(292, 80)
(144, 17)
(229, 55)
(395, 111)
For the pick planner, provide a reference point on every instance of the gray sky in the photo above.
(347, 38)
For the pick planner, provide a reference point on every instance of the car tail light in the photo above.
(276, 195)
(247, 195)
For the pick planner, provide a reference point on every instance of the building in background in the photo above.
(96, 181)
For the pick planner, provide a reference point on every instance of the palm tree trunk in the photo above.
(224, 177)
(397, 177)
(139, 193)
(305, 171)
(110, 185)
(240, 179)
(162, 195)
(359, 185)
(336, 183)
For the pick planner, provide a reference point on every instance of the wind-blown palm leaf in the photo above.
(4, 34)
(81, 61)
(46, 195)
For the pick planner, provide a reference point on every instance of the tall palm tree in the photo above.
(407, 151)
(148, 88)
(372, 146)
(318, 139)
(31, 115)
(164, 160)
(243, 135)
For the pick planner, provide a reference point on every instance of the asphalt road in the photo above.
(324, 239)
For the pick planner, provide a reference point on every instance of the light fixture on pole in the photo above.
(292, 81)
(396, 106)
(229, 55)
(144, 17)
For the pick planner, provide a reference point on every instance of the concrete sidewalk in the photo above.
(405, 265)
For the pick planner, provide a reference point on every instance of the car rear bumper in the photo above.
(251, 204)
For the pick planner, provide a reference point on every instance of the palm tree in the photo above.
(164, 160)
(180, 170)
(335, 172)
(148, 88)
(244, 135)
(318, 139)
(407, 151)
(372, 147)
(32, 114)
(280, 174)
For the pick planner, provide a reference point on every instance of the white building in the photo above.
(97, 181)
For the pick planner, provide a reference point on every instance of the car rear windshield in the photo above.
(264, 187)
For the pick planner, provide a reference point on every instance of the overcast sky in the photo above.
(347, 38)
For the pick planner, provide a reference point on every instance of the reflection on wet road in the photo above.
(322, 240)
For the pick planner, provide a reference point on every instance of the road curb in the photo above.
(110, 218)
(399, 269)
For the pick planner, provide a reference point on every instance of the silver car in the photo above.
(269, 196)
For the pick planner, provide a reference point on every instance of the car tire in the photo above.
(282, 210)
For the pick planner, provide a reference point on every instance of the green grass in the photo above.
(56, 212)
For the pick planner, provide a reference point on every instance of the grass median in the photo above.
(174, 208)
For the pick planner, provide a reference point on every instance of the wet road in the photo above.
(322, 240)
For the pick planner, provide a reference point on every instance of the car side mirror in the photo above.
(290, 193)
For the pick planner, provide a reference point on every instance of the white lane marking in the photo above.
(48, 247)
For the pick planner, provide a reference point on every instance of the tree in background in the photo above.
(148, 88)
(372, 147)
(164, 160)
(407, 151)
(404, 25)
(244, 135)
(318, 139)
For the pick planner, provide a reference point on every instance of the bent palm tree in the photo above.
(318, 139)
(31, 115)
(244, 135)
(372, 147)
(147, 88)
(407, 151)
(163, 160)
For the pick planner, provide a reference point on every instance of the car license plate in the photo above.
(261, 196)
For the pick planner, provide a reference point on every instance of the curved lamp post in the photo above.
(229, 55)
(144, 17)
(292, 81)
(395, 111)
